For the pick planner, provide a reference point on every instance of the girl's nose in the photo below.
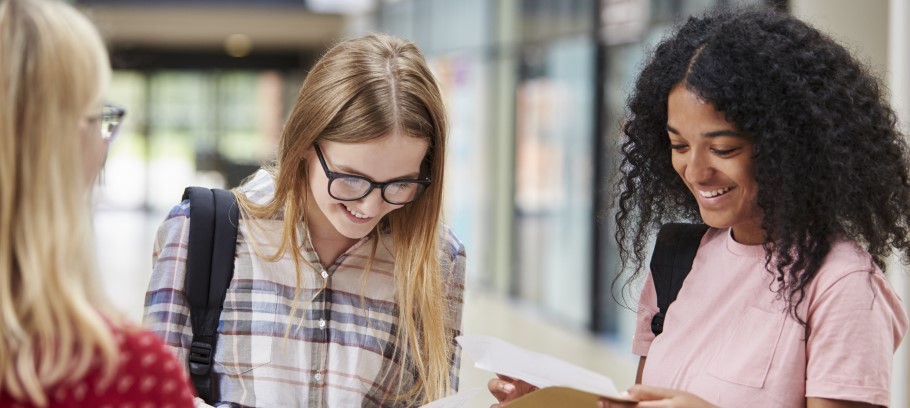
(698, 168)
(372, 203)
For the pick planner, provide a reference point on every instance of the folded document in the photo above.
(560, 381)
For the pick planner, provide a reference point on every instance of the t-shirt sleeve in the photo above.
(647, 308)
(856, 323)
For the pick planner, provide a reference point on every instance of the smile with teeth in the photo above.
(714, 193)
(355, 213)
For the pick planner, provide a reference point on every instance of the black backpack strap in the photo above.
(214, 218)
(674, 252)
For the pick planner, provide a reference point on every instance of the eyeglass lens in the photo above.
(111, 118)
(352, 188)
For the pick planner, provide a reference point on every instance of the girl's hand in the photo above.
(200, 403)
(506, 389)
(653, 397)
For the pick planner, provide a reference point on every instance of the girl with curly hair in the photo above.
(773, 135)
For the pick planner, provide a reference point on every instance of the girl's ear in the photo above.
(301, 166)
(308, 156)
(309, 153)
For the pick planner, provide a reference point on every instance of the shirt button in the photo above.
(318, 377)
(325, 275)
(321, 323)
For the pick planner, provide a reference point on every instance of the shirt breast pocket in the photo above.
(248, 327)
(746, 354)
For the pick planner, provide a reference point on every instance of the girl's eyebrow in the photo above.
(716, 133)
(725, 132)
(353, 172)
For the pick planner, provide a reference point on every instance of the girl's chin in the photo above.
(352, 230)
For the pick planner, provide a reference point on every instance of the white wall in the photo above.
(861, 26)
(899, 63)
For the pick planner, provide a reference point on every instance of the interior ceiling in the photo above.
(176, 27)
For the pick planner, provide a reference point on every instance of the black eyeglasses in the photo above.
(111, 118)
(348, 187)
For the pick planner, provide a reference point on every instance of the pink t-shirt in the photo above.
(729, 340)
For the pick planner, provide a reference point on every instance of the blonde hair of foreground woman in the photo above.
(53, 66)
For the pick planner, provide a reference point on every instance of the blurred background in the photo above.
(534, 90)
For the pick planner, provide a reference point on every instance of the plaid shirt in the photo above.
(344, 348)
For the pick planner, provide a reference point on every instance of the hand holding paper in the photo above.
(539, 370)
(506, 389)
(561, 384)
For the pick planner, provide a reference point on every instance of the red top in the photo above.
(147, 376)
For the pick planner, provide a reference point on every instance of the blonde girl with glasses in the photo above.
(347, 289)
(61, 346)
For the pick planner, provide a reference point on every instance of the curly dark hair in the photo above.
(829, 160)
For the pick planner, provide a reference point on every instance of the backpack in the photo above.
(674, 252)
(214, 218)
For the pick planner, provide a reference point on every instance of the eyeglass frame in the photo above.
(111, 117)
(332, 176)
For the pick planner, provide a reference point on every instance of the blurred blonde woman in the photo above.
(347, 289)
(60, 347)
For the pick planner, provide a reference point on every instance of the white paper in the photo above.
(456, 401)
(540, 370)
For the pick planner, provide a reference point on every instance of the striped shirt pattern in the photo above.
(340, 350)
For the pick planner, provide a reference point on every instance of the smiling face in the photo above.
(391, 157)
(714, 159)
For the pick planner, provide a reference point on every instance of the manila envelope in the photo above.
(556, 396)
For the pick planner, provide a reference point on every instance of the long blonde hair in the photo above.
(360, 90)
(53, 66)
